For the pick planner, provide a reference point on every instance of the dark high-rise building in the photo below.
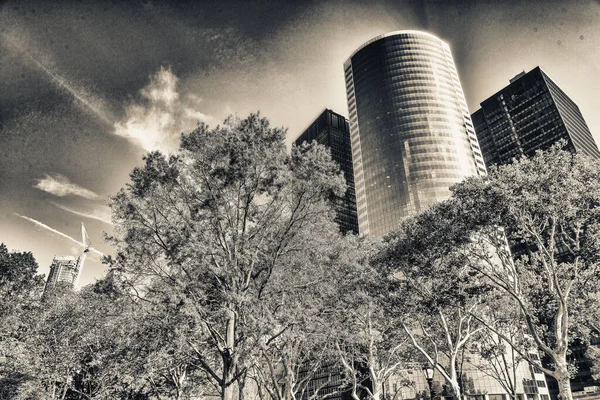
(332, 130)
(531, 113)
(412, 135)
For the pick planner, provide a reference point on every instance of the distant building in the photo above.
(479, 382)
(412, 135)
(531, 113)
(332, 130)
(63, 271)
(583, 384)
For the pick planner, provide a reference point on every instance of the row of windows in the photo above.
(416, 141)
(408, 66)
(392, 47)
(421, 64)
(396, 41)
(415, 53)
(406, 88)
(410, 69)
(574, 120)
(411, 117)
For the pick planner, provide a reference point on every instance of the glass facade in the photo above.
(531, 113)
(332, 130)
(412, 135)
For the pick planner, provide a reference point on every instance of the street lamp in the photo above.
(428, 371)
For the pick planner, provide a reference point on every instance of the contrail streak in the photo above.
(60, 81)
(97, 214)
(42, 225)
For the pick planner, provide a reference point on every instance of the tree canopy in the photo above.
(232, 226)
(529, 230)
(231, 279)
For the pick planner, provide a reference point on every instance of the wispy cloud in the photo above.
(100, 213)
(155, 122)
(64, 235)
(60, 185)
(82, 96)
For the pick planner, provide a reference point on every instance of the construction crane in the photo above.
(85, 241)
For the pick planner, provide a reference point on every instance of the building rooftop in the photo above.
(393, 33)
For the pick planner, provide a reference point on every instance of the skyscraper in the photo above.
(332, 130)
(531, 113)
(63, 271)
(412, 135)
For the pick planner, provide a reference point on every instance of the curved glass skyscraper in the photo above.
(412, 135)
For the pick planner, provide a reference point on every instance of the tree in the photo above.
(593, 354)
(549, 207)
(18, 275)
(300, 352)
(50, 345)
(297, 358)
(371, 350)
(157, 359)
(215, 223)
(20, 289)
(432, 294)
(491, 354)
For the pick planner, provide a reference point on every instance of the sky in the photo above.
(87, 87)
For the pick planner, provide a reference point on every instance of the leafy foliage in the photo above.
(20, 288)
(549, 205)
(230, 227)
(432, 292)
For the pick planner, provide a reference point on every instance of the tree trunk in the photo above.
(241, 386)
(456, 379)
(375, 384)
(229, 367)
(376, 392)
(456, 389)
(564, 385)
(288, 392)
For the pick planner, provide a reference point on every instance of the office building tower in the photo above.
(412, 139)
(63, 271)
(531, 113)
(412, 135)
(332, 130)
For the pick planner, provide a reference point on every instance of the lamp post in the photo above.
(428, 371)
